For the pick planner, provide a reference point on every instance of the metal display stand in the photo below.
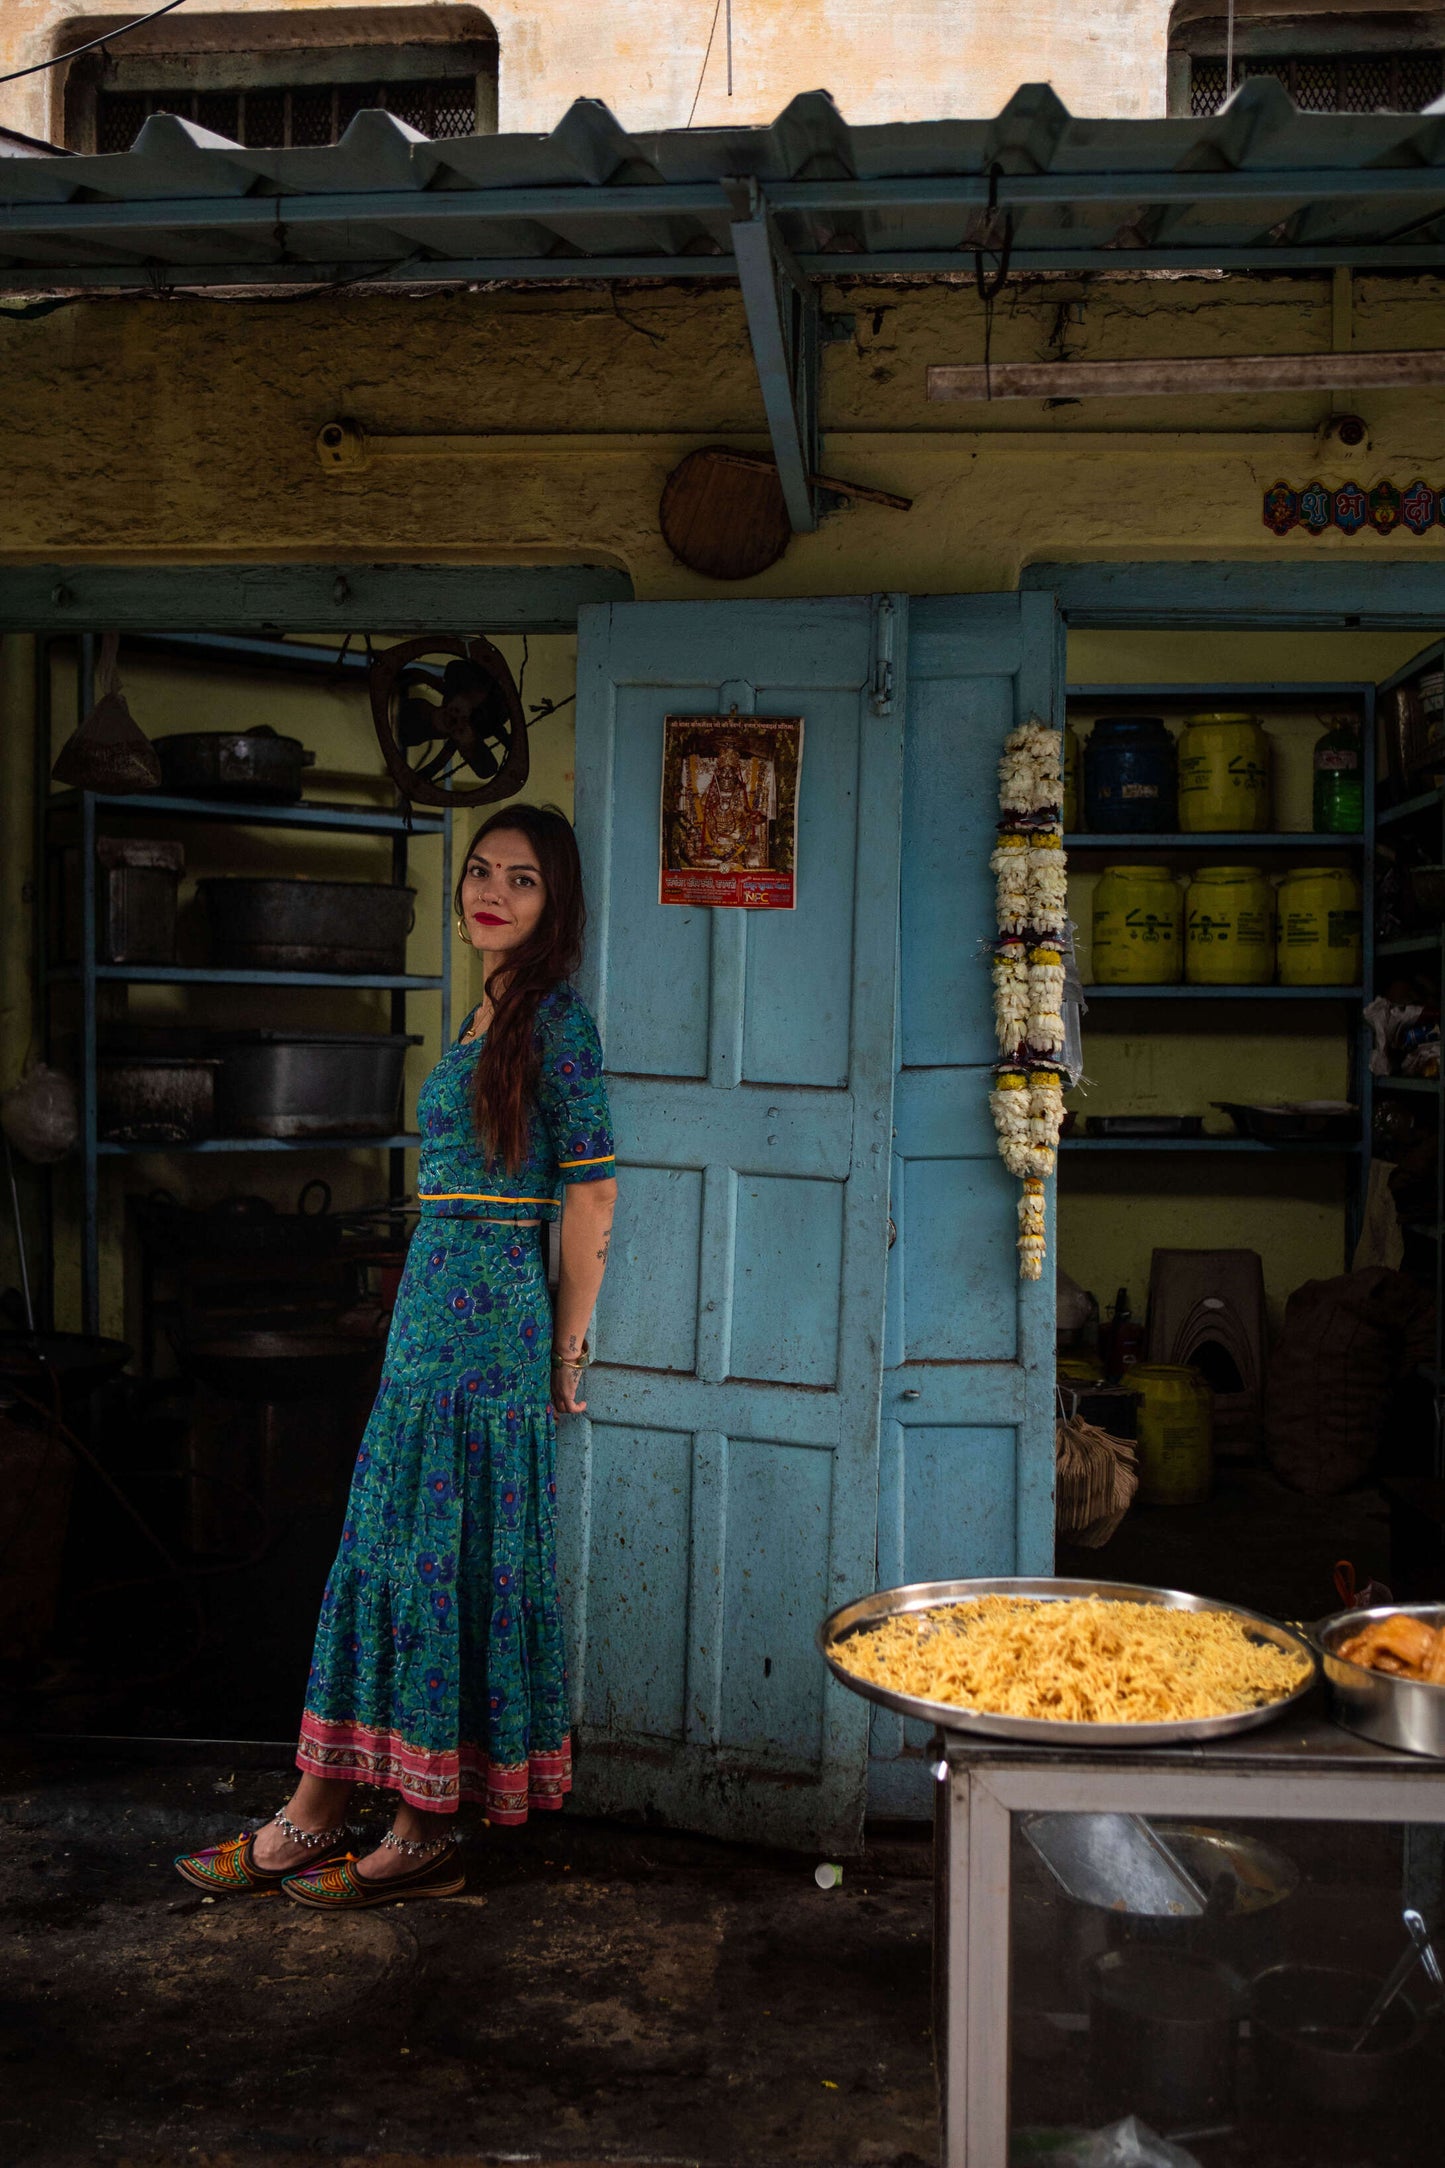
(1279, 848)
(87, 811)
(1426, 809)
(1306, 1769)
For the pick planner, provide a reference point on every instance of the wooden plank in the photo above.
(1167, 378)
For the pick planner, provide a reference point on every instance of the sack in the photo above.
(41, 1114)
(1095, 1478)
(1345, 1342)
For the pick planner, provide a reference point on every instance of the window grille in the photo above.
(282, 119)
(1318, 83)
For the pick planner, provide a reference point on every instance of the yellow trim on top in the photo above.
(473, 1196)
(605, 1160)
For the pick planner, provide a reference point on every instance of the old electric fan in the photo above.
(447, 709)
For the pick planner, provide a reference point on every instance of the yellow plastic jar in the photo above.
(1224, 776)
(1229, 928)
(1176, 1434)
(1320, 940)
(1071, 779)
(1138, 927)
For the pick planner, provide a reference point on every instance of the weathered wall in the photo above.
(883, 60)
(185, 429)
(182, 432)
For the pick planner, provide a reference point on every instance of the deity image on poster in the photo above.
(730, 810)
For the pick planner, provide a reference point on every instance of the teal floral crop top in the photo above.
(569, 1131)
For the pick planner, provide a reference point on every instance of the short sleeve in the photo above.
(572, 1093)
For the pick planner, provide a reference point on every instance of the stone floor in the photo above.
(599, 1993)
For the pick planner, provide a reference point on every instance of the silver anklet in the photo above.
(311, 1838)
(414, 1851)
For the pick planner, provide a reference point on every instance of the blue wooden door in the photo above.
(720, 1497)
(967, 1442)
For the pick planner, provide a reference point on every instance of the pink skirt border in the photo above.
(438, 1783)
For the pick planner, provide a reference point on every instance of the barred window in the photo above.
(1403, 82)
(277, 117)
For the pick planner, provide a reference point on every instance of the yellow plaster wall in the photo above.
(664, 63)
(185, 430)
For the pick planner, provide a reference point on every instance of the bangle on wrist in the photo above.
(579, 1361)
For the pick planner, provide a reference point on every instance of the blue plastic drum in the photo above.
(1130, 777)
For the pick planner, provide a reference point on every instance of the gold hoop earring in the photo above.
(462, 934)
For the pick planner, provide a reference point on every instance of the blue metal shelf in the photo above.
(1427, 801)
(1410, 944)
(255, 813)
(1408, 1083)
(206, 975)
(1262, 689)
(407, 1142)
(1223, 993)
(1207, 1145)
(1289, 839)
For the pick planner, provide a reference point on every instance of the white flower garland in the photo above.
(1031, 886)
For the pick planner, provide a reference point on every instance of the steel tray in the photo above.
(888, 1603)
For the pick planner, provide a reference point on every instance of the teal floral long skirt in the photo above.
(439, 1669)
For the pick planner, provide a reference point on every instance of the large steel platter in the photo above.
(869, 1611)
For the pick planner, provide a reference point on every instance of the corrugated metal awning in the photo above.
(1259, 186)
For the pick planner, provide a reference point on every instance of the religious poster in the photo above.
(730, 810)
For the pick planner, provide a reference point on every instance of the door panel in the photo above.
(720, 1497)
(966, 1454)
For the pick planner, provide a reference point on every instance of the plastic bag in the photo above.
(41, 1114)
(1130, 2144)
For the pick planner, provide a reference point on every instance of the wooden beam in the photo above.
(1163, 379)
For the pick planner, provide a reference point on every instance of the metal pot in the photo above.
(281, 1365)
(137, 882)
(1303, 2025)
(234, 763)
(313, 1083)
(1163, 2037)
(300, 925)
(244, 1226)
(156, 1100)
(1408, 1713)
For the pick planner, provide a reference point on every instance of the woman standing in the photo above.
(439, 1671)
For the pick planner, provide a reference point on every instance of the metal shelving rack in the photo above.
(1352, 848)
(90, 808)
(1429, 947)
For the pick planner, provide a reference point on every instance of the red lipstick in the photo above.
(486, 918)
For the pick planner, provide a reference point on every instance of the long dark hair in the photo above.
(505, 1080)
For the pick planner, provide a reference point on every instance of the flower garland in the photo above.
(1031, 874)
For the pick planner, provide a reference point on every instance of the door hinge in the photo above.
(880, 687)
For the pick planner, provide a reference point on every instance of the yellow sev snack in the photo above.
(1080, 1660)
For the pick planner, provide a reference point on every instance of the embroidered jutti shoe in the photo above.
(230, 1870)
(340, 1888)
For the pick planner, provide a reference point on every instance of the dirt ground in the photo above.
(600, 1993)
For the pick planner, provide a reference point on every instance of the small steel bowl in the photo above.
(1405, 1713)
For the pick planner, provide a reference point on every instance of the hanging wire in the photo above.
(75, 51)
(990, 284)
(707, 56)
(730, 47)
